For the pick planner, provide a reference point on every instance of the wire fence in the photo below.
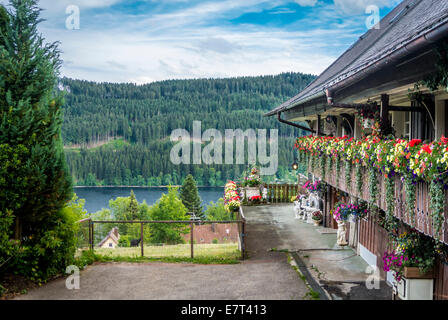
(164, 239)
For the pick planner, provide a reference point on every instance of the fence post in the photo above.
(141, 238)
(243, 240)
(191, 240)
(90, 235)
(93, 235)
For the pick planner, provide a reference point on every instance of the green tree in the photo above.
(169, 207)
(190, 196)
(30, 127)
(132, 212)
(217, 212)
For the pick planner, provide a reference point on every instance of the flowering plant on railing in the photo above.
(411, 250)
(312, 186)
(232, 200)
(413, 160)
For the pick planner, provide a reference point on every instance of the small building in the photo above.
(209, 233)
(111, 239)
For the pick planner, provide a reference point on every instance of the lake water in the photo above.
(98, 198)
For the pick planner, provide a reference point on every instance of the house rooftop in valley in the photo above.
(404, 34)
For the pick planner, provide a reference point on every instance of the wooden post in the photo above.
(318, 130)
(141, 238)
(384, 110)
(18, 230)
(192, 239)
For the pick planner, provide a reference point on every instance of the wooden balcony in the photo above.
(422, 214)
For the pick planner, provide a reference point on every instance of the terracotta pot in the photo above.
(414, 273)
(317, 222)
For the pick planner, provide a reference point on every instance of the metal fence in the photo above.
(164, 239)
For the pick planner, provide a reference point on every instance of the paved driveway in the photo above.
(265, 275)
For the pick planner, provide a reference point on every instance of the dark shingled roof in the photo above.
(406, 22)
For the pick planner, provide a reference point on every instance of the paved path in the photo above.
(266, 275)
(341, 272)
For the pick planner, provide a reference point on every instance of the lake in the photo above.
(98, 198)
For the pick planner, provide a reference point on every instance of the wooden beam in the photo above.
(406, 109)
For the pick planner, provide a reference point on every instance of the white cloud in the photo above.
(186, 43)
(307, 3)
(359, 6)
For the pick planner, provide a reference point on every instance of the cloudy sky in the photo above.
(148, 40)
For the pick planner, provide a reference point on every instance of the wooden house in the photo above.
(381, 71)
(110, 240)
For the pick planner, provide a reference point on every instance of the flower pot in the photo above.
(252, 191)
(317, 222)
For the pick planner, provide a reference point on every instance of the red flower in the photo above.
(427, 149)
(415, 142)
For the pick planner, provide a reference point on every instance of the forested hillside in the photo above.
(118, 134)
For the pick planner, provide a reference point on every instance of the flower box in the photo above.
(414, 273)
(252, 192)
(419, 288)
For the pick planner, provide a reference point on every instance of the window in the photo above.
(110, 245)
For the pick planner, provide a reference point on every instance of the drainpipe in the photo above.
(293, 124)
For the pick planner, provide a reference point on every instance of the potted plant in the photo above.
(411, 263)
(255, 200)
(252, 183)
(317, 217)
(232, 200)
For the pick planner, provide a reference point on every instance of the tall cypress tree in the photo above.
(190, 197)
(30, 117)
(132, 210)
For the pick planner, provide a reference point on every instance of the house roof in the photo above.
(113, 235)
(405, 23)
(206, 233)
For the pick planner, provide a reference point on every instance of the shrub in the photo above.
(51, 249)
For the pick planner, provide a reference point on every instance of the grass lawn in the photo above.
(226, 251)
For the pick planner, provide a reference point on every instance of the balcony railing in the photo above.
(422, 212)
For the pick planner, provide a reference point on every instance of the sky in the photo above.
(142, 41)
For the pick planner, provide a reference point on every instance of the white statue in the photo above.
(265, 193)
(342, 231)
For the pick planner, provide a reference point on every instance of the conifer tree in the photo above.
(132, 210)
(30, 117)
(190, 197)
